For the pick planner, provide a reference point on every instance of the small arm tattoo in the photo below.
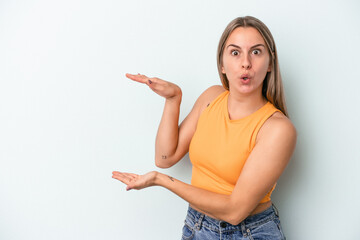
(171, 178)
(163, 157)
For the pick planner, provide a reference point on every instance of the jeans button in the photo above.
(223, 224)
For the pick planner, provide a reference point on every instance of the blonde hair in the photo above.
(272, 87)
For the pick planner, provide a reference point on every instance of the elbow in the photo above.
(235, 221)
(236, 214)
(167, 161)
(160, 163)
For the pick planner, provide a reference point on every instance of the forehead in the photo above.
(245, 37)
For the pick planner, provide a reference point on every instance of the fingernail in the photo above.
(150, 81)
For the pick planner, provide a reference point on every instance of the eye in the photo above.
(235, 52)
(256, 52)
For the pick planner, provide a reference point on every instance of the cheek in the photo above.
(265, 67)
(227, 66)
(268, 64)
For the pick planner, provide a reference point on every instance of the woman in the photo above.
(238, 137)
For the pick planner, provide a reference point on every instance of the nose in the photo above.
(246, 63)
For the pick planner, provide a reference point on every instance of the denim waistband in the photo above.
(201, 220)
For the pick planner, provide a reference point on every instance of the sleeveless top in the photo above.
(220, 146)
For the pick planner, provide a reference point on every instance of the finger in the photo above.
(137, 78)
(117, 174)
(152, 82)
(123, 177)
(130, 175)
(133, 175)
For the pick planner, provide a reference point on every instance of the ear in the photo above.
(269, 67)
(223, 70)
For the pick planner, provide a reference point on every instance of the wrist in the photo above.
(162, 180)
(176, 97)
(157, 179)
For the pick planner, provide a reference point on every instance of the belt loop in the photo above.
(199, 222)
(275, 210)
(243, 229)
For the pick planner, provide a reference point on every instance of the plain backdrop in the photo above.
(69, 117)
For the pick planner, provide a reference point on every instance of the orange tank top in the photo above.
(220, 146)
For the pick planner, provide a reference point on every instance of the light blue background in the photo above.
(69, 117)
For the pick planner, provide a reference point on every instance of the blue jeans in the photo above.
(261, 226)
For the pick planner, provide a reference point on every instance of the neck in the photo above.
(240, 105)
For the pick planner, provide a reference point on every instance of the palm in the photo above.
(163, 88)
(135, 181)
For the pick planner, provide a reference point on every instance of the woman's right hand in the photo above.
(163, 88)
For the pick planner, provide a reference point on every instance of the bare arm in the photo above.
(172, 141)
(274, 147)
(168, 132)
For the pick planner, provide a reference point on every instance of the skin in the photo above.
(245, 47)
(245, 53)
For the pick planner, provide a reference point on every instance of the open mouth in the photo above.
(245, 80)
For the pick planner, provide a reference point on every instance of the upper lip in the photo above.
(245, 76)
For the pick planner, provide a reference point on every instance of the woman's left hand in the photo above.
(134, 181)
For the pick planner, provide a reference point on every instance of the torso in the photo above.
(214, 93)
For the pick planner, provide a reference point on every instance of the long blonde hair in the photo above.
(272, 87)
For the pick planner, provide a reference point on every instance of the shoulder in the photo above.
(278, 128)
(211, 93)
(207, 97)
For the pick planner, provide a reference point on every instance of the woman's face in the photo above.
(246, 60)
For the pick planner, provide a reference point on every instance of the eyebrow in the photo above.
(257, 45)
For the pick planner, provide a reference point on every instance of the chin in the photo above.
(244, 89)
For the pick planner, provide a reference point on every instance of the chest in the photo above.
(220, 148)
